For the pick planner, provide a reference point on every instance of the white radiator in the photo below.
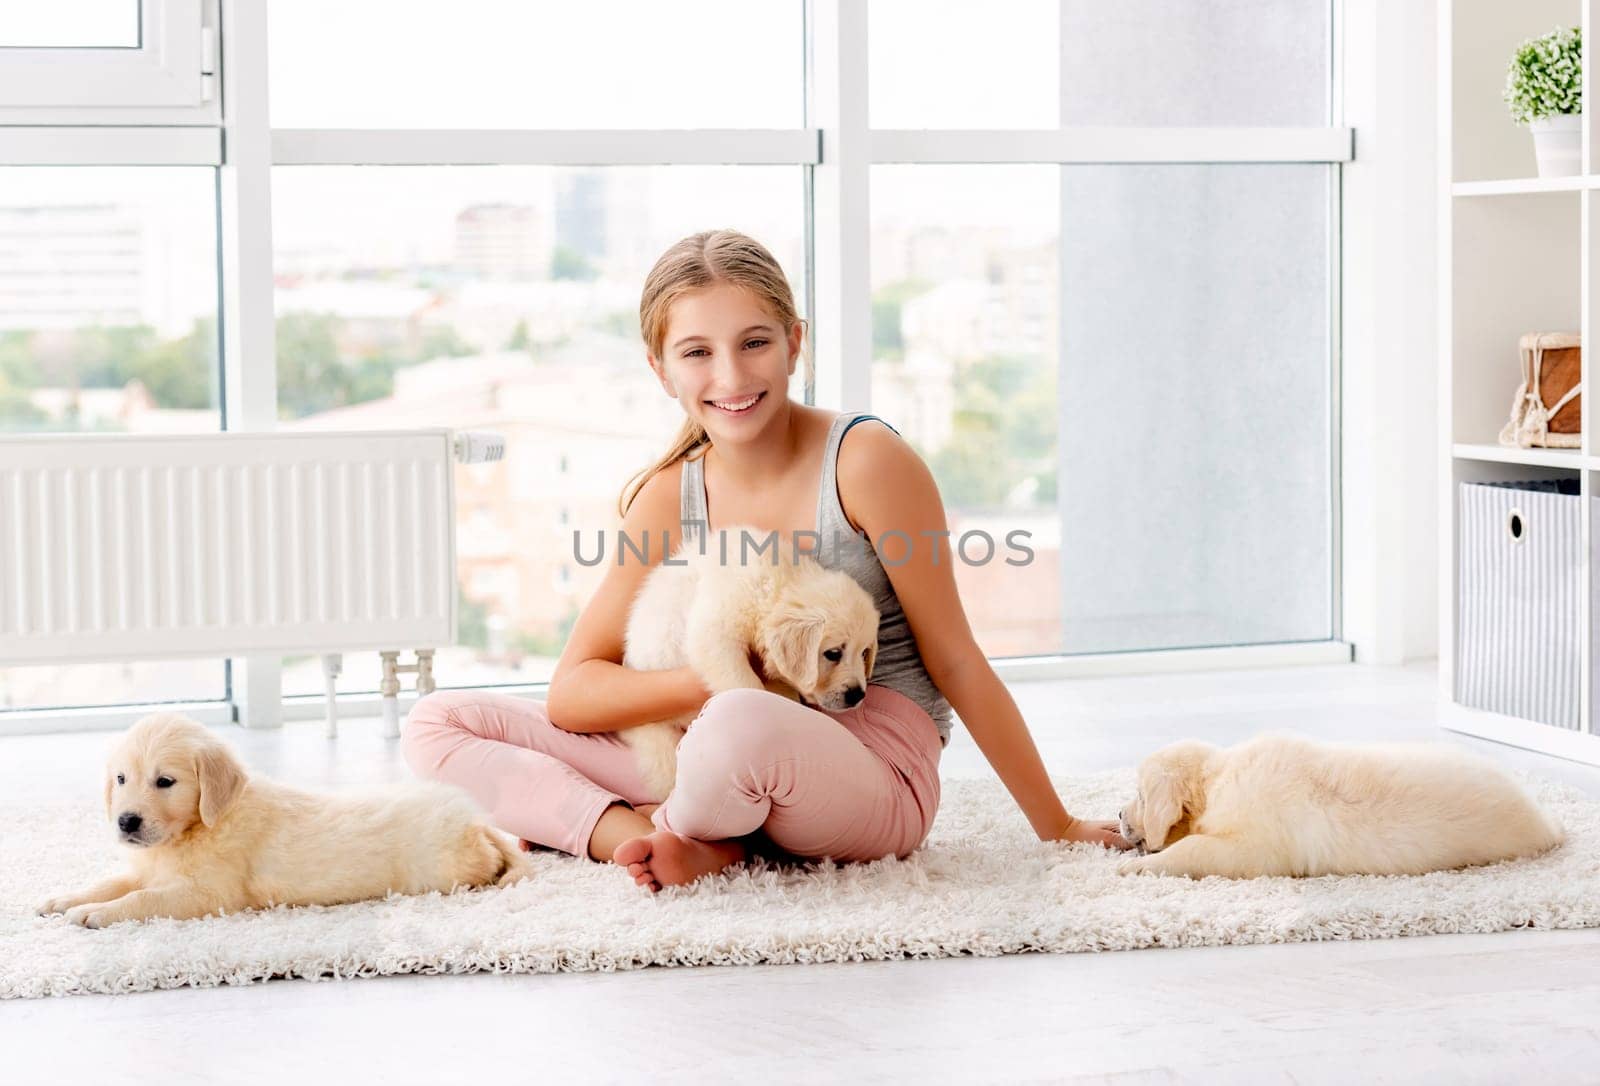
(116, 547)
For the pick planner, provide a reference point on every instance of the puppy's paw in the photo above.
(1137, 865)
(95, 915)
(514, 875)
(79, 914)
(53, 906)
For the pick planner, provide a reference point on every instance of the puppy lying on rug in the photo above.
(814, 630)
(1282, 804)
(208, 839)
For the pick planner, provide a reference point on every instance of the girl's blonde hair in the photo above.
(696, 262)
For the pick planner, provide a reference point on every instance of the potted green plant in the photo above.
(1542, 89)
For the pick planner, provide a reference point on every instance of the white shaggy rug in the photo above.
(983, 885)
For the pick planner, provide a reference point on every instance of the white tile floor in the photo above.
(1513, 1007)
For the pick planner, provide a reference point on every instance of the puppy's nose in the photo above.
(129, 823)
(853, 696)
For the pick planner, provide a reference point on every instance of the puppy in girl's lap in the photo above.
(1283, 804)
(814, 632)
(206, 838)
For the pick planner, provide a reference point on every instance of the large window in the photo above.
(1195, 465)
(98, 24)
(1081, 254)
(108, 323)
(508, 301)
(966, 307)
(964, 65)
(1222, 62)
(1131, 359)
(108, 299)
(108, 61)
(509, 64)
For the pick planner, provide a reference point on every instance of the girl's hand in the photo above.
(1100, 833)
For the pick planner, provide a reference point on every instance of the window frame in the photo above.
(167, 78)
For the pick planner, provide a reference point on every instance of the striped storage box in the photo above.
(1519, 578)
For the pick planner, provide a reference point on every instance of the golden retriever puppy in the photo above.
(207, 838)
(1283, 804)
(814, 631)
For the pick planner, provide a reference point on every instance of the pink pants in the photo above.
(854, 785)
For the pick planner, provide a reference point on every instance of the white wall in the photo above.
(1389, 485)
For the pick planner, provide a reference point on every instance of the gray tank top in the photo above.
(839, 546)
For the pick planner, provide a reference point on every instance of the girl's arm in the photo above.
(591, 691)
(886, 487)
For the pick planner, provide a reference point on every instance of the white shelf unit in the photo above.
(1517, 253)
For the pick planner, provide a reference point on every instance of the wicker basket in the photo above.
(1548, 409)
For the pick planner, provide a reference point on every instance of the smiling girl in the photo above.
(755, 768)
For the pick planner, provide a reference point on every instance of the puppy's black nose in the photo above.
(129, 823)
(853, 696)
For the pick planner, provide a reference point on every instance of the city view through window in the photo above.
(506, 298)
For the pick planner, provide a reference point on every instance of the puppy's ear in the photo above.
(221, 780)
(872, 657)
(791, 640)
(1163, 805)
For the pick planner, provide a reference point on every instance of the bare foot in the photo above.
(664, 858)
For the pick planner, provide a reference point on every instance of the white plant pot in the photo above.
(1558, 144)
